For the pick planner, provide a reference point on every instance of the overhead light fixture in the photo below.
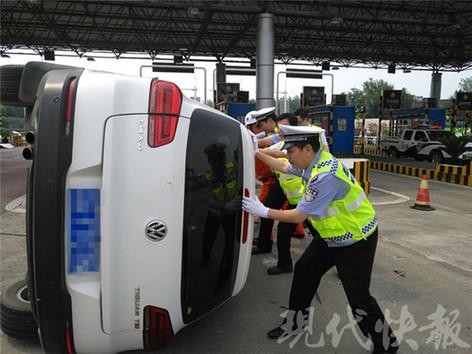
(49, 55)
(336, 20)
(193, 11)
(178, 59)
(391, 69)
(325, 65)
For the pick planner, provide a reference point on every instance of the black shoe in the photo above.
(276, 333)
(276, 270)
(257, 250)
(391, 350)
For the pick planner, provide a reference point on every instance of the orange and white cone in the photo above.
(422, 198)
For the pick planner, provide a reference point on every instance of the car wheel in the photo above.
(393, 152)
(17, 319)
(436, 157)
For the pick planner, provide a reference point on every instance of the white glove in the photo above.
(255, 207)
(284, 151)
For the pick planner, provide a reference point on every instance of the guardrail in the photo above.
(371, 150)
(445, 173)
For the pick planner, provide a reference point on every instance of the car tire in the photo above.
(436, 157)
(10, 78)
(17, 319)
(393, 152)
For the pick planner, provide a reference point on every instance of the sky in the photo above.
(417, 82)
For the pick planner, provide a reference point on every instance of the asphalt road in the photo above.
(422, 267)
(13, 175)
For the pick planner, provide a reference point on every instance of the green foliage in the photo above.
(466, 84)
(369, 96)
(11, 111)
(8, 124)
(454, 145)
(294, 103)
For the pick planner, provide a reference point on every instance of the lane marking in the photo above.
(17, 205)
(401, 198)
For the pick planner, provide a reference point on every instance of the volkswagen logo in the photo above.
(156, 230)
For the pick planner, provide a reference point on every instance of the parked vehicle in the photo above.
(134, 224)
(448, 149)
(409, 142)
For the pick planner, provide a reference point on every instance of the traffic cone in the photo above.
(422, 198)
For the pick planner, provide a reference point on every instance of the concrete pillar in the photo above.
(220, 73)
(435, 91)
(265, 61)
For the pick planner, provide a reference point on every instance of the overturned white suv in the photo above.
(134, 224)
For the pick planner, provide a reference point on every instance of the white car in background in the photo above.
(134, 224)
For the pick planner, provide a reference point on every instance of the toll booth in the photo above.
(418, 118)
(338, 122)
(239, 110)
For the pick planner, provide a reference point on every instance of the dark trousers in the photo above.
(284, 236)
(354, 266)
(275, 199)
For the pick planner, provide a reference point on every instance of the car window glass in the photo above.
(408, 134)
(212, 212)
(421, 136)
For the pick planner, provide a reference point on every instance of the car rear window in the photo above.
(212, 216)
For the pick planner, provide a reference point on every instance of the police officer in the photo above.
(339, 210)
(271, 193)
(291, 186)
(304, 121)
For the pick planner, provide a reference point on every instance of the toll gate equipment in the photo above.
(338, 122)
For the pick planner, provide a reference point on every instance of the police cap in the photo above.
(296, 134)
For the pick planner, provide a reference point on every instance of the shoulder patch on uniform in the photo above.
(311, 190)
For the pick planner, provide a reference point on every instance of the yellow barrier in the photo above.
(371, 150)
(445, 173)
(361, 174)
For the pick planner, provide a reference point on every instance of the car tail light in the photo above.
(68, 338)
(157, 327)
(165, 101)
(245, 218)
(70, 103)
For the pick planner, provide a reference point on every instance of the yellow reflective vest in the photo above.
(223, 188)
(351, 217)
(291, 185)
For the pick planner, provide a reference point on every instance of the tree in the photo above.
(368, 96)
(408, 100)
(11, 111)
(466, 84)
